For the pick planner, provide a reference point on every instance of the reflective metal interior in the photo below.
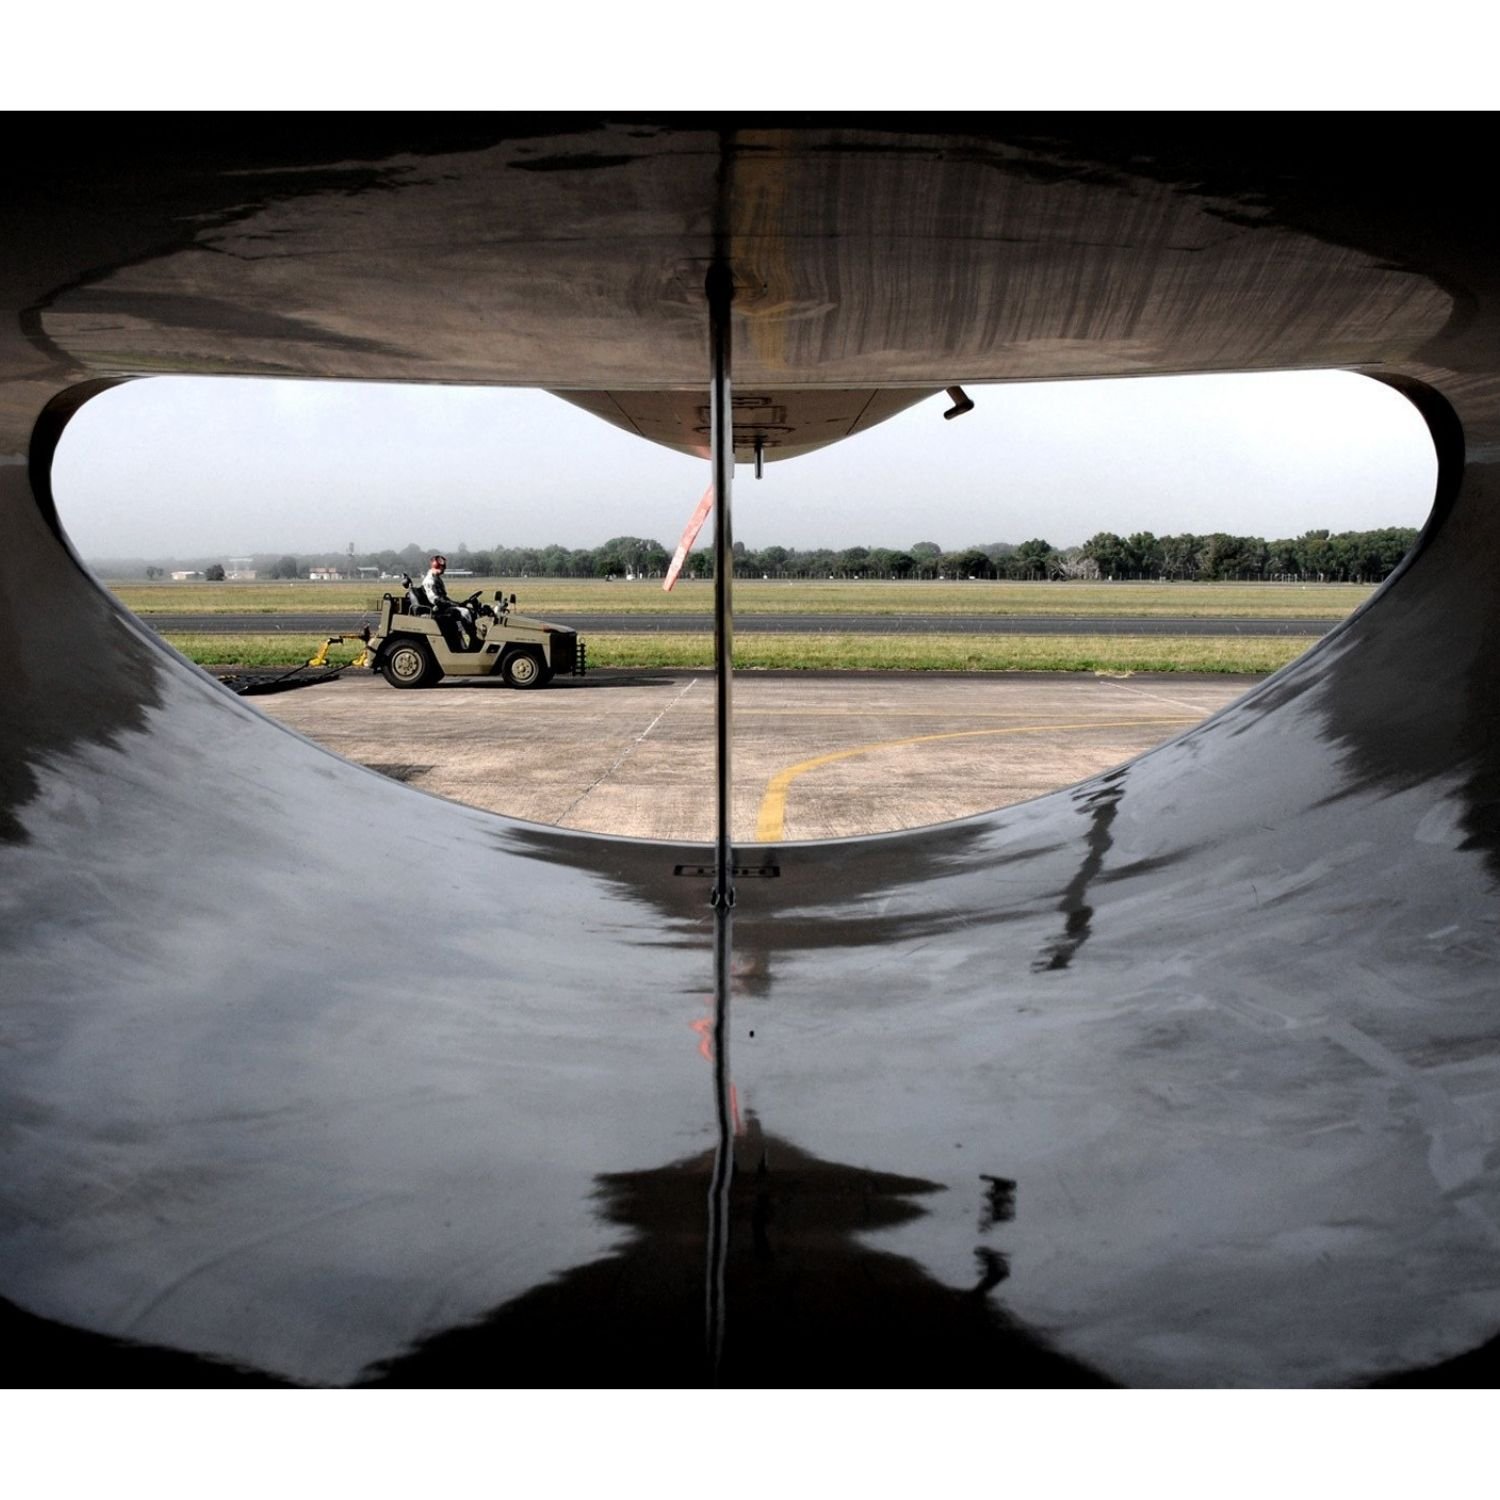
(1187, 1075)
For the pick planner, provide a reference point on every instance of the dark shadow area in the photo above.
(810, 877)
(588, 684)
(806, 1302)
(398, 770)
(257, 683)
(43, 1355)
(1479, 1369)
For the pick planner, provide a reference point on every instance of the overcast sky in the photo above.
(187, 467)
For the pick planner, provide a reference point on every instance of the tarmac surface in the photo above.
(815, 755)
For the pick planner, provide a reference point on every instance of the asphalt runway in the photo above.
(816, 755)
(325, 624)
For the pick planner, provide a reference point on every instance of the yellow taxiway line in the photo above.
(772, 818)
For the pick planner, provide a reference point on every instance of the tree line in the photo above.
(1315, 556)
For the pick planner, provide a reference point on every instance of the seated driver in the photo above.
(437, 594)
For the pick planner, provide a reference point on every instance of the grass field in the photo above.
(870, 653)
(937, 652)
(541, 596)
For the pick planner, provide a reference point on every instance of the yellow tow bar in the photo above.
(321, 658)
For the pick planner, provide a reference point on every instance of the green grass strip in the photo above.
(546, 597)
(868, 653)
(955, 653)
(257, 650)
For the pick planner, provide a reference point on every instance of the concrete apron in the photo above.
(816, 756)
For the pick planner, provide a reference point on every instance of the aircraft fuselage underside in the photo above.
(1186, 1075)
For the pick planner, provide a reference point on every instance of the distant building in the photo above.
(240, 568)
(370, 573)
(187, 575)
(325, 575)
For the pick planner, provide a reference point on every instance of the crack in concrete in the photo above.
(1157, 697)
(625, 754)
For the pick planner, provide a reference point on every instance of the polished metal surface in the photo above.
(719, 298)
(1187, 1075)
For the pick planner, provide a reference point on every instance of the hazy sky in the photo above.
(186, 467)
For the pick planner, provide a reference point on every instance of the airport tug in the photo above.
(412, 647)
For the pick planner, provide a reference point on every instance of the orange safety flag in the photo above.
(689, 536)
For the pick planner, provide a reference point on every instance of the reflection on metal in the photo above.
(1250, 1113)
(1101, 802)
(818, 1298)
(723, 1175)
(720, 294)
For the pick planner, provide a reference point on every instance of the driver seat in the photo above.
(417, 602)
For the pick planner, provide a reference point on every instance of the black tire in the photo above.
(524, 669)
(409, 664)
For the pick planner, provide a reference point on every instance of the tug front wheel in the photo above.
(524, 669)
(409, 664)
